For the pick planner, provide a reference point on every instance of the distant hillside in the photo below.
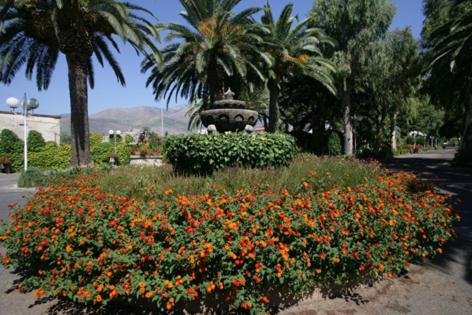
(126, 119)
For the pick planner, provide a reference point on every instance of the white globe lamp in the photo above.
(13, 103)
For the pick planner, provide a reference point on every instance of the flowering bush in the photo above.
(235, 247)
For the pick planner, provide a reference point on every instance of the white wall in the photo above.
(48, 126)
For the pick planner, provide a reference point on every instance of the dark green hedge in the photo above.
(203, 154)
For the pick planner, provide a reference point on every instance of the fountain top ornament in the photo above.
(228, 101)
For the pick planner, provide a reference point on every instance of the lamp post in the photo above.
(28, 104)
(114, 134)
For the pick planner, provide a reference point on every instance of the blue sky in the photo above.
(109, 94)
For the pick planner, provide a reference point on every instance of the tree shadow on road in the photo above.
(457, 181)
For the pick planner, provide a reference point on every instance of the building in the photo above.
(48, 125)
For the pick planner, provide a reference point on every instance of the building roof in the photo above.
(35, 115)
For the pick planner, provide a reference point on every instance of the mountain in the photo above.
(126, 119)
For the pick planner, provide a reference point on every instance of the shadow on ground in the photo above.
(457, 257)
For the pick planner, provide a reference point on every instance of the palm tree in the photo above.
(292, 47)
(452, 42)
(33, 33)
(217, 45)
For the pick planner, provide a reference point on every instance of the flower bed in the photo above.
(229, 246)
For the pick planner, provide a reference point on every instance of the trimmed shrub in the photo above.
(413, 140)
(51, 157)
(334, 144)
(31, 178)
(234, 249)
(103, 151)
(10, 143)
(203, 154)
(35, 141)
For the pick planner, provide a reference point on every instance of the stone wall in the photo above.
(49, 126)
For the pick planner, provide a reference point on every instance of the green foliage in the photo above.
(155, 141)
(334, 147)
(293, 47)
(195, 64)
(35, 34)
(11, 148)
(207, 153)
(235, 250)
(344, 20)
(35, 141)
(51, 157)
(31, 178)
(130, 181)
(128, 139)
(413, 140)
(103, 151)
(66, 138)
(449, 57)
(10, 143)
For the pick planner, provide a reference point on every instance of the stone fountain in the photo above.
(229, 114)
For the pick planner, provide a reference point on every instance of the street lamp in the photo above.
(114, 134)
(414, 134)
(28, 104)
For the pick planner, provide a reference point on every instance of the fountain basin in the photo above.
(229, 119)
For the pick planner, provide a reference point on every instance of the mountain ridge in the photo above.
(137, 117)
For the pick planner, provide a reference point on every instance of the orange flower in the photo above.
(98, 298)
(170, 304)
(211, 287)
(113, 294)
(167, 192)
(6, 260)
(247, 305)
(39, 293)
(68, 248)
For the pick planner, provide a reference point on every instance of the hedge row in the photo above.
(206, 153)
(51, 156)
(235, 250)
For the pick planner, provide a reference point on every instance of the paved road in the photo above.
(437, 168)
(9, 193)
(441, 286)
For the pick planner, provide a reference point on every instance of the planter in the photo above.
(145, 161)
(229, 119)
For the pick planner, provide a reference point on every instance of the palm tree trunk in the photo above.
(274, 112)
(78, 91)
(465, 150)
(347, 120)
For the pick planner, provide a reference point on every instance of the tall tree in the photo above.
(292, 47)
(217, 45)
(345, 20)
(405, 80)
(33, 33)
(450, 43)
